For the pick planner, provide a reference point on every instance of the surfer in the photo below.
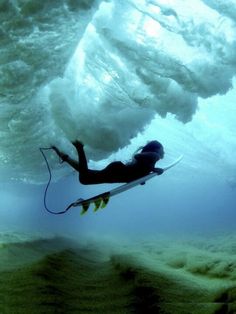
(141, 165)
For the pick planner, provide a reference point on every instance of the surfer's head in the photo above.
(154, 146)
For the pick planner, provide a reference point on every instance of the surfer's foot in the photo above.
(63, 156)
(78, 144)
(55, 149)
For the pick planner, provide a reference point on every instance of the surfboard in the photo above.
(101, 200)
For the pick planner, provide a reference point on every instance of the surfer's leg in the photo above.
(86, 175)
(83, 164)
(73, 163)
(113, 173)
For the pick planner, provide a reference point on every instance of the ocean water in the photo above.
(116, 74)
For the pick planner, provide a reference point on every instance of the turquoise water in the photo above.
(116, 74)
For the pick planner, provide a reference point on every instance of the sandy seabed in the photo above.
(168, 275)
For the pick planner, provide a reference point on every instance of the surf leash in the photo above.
(42, 149)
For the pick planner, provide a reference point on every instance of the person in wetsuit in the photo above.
(141, 165)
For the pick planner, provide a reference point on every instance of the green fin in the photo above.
(97, 204)
(105, 201)
(85, 207)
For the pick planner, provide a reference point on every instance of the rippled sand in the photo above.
(158, 275)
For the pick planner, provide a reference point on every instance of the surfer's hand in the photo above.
(159, 171)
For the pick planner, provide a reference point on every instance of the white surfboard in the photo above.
(101, 200)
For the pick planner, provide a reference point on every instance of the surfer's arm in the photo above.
(158, 171)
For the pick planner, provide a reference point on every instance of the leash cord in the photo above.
(47, 186)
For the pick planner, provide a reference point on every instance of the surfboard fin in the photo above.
(101, 202)
(97, 204)
(85, 208)
(105, 201)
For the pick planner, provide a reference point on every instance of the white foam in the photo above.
(133, 60)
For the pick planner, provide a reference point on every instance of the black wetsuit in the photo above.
(115, 172)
